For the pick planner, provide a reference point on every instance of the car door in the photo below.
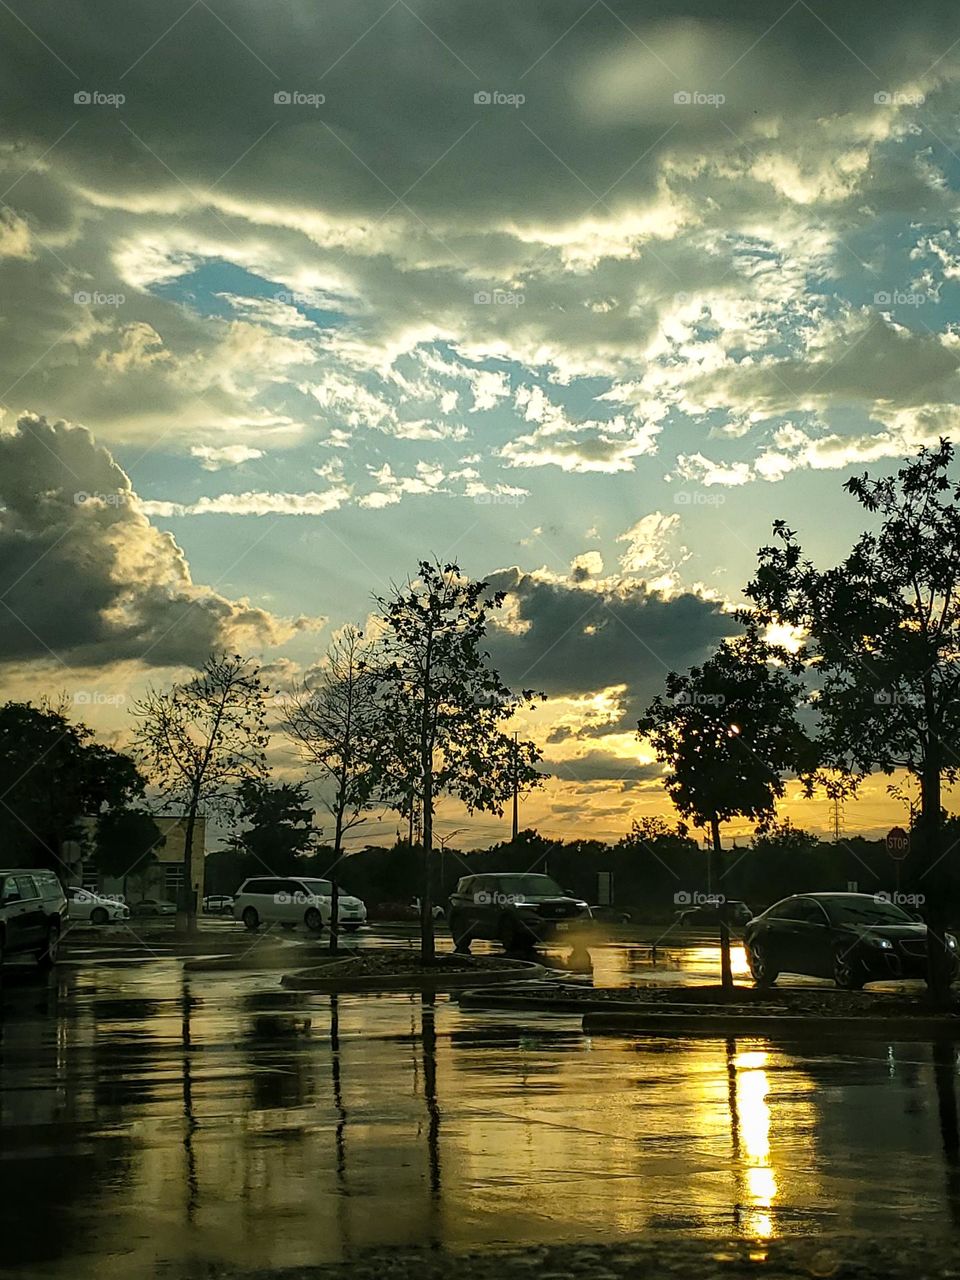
(16, 913)
(806, 939)
(33, 914)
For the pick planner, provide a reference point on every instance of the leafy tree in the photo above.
(278, 820)
(200, 740)
(881, 632)
(727, 731)
(441, 707)
(331, 718)
(125, 844)
(53, 775)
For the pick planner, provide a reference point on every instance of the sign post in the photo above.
(898, 846)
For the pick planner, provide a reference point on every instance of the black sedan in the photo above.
(851, 937)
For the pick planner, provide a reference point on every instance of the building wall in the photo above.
(162, 878)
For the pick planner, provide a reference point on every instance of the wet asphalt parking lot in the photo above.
(155, 1116)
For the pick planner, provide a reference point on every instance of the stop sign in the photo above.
(898, 843)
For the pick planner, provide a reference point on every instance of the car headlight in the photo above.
(883, 943)
(950, 940)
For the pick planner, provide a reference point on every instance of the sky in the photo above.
(580, 295)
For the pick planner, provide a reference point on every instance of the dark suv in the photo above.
(33, 908)
(515, 908)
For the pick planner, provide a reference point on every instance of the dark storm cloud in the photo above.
(580, 640)
(85, 578)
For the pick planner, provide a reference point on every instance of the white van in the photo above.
(290, 901)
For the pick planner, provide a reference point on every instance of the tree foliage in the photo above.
(53, 775)
(442, 707)
(881, 636)
(200, 740)
(277, 826)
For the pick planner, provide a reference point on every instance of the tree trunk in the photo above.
(428, 947)
(716, 876)
(932, 881)
(334, 887)
(187, 906)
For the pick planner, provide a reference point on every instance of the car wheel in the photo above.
(460, 934)
(507, 933)
(98, 915)
(764, 972)
(313, 920)
(47, 958)
(848, 972)
(251, 919)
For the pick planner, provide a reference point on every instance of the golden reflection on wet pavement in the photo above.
(148, 1116)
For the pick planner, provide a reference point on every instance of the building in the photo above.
(162, 877)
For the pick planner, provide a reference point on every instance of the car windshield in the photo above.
(322, 888)
(530, 886)
(866, 911)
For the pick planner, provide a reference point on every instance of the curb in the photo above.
(309, 980)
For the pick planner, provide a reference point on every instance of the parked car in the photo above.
(153, 907)
(514, 908)
(292, 901)
(851, 937)
(95, 908)
(708, 913)
(218, 904)
(33, 911)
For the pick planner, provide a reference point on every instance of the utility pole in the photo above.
(516, 789)
(837, 810)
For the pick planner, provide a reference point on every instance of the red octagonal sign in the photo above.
(898, 842)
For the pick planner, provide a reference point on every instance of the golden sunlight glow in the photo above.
(761, 1181)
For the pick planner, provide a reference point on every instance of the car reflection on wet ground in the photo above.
(152, 1115)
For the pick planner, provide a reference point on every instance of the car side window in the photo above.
(11, 890)
(808, 911)
(28, 887)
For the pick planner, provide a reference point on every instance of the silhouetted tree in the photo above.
(201, 740)
(52, 775)
(277, 821)
(881, 633)
(126, 844)
(727, 731)
(441, 707)
(331, 718)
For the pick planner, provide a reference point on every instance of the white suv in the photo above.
(291, 901)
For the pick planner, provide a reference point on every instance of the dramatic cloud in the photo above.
(85, 579)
